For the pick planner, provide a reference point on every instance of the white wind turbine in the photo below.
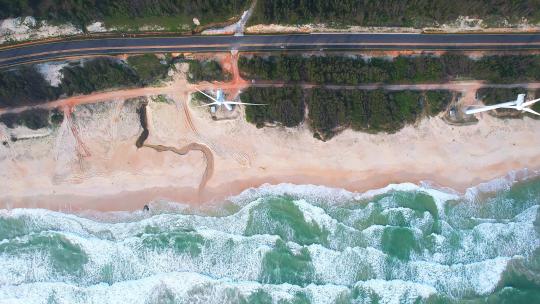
(519, 104)
(219, 100)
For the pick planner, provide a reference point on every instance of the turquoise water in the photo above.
(285, 244)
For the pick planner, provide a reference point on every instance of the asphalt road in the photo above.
(110, 46)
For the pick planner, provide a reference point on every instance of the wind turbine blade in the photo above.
(491, 107)
(484, 109)
(207, 104)
(207, 95)
(245, 103)
(530, 102)
(531, 111)
(474, 111)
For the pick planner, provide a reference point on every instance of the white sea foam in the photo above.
(423, 225)
(228, 263)
(185, 287)
(309, 192)
(119, 245)
(439, 196)
(322, 294)
(490, 240)
(396, 291)
(501, 183)
(458, 280)
(348, 266)
(343, 268)
(129, 259)
(40, 219)
(362, 264)
(314, 214)
(27, 267)
(218, 252)
(322, 194)
(397, 215)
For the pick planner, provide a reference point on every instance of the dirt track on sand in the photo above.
(208, 156)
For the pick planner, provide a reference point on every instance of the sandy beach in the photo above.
(100, 168)
(91, 162)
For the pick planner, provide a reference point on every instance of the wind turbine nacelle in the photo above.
(219, 95)
(520, 99)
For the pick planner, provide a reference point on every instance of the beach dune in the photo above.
(91, 161)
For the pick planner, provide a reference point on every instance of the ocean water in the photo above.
(285, 244)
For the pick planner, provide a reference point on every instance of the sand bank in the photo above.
(53, 172)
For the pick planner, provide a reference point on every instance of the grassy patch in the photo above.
(438, 101)
(209, 70)
(161, 99)
(149, 68)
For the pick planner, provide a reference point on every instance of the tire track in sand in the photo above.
(207, 153)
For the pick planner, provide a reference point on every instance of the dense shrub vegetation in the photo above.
(437, 101)
(283, 105)
(504, 69)
(402, 69)
(370, 111)
(330, 110)
(82, 12)
(390, 12)
(24, 87)
(27, 86)
(95, 75)
(149, 68)
(33, 119)
(209, 70)
(356, 12)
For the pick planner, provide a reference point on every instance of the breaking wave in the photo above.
(286, 244)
